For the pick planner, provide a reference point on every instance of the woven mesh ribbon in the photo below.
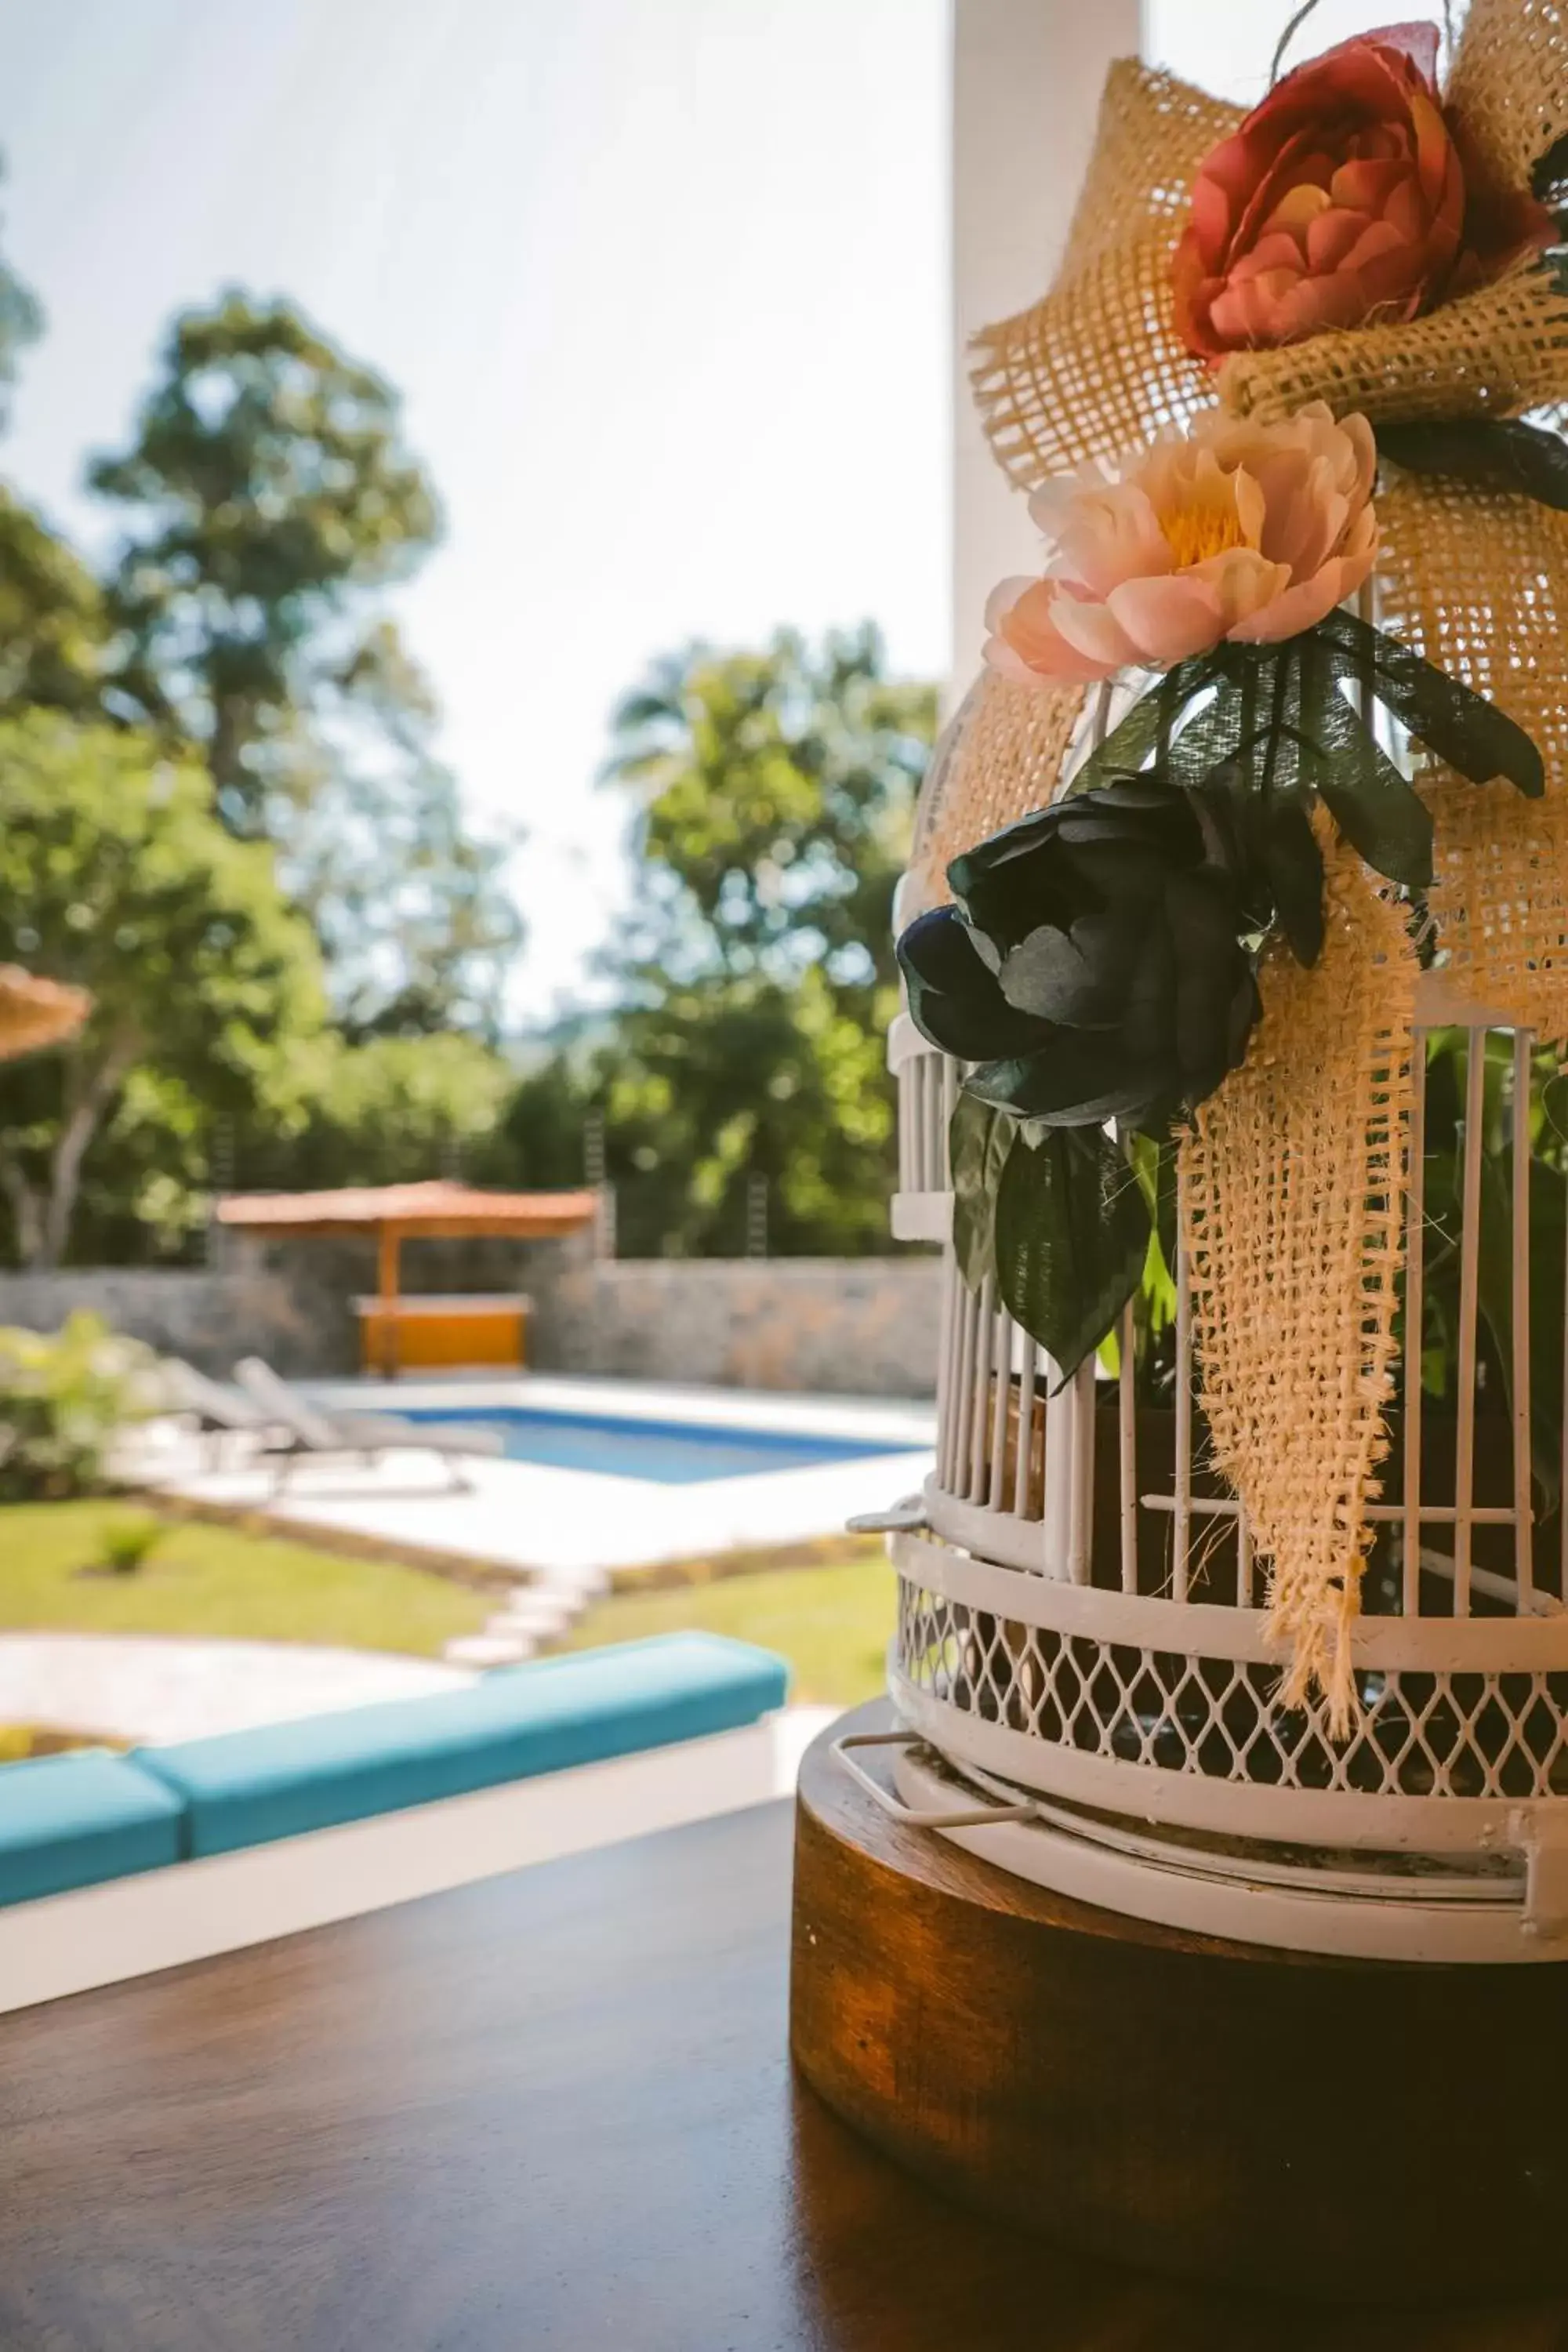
(1296, 1240)
(1285, 1194)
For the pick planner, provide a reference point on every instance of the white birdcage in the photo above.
(1080, 1667)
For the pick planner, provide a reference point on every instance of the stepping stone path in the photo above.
(535, 1614)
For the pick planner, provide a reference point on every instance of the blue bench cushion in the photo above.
(70, 1821)
(243, 1787)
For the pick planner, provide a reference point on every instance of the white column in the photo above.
(1026, 79)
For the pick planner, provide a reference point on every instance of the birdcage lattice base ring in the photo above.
(1171, 1780)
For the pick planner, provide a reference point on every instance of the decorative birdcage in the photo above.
(1125, 1667)
(1081, 1656)
(1232, 1624)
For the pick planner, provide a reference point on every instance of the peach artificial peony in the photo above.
(1347, 197)
(1239, 529)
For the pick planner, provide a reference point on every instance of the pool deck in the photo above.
(573, 1528)
(150, 1686)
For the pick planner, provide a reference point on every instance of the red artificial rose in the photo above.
(1348, 198)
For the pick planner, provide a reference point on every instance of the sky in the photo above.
(664, 284)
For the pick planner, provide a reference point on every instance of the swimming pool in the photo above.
(670, 1452)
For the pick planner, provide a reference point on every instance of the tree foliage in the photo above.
(266, 483)
(268, 498)
(394, 1110)
(223, 810)
(412, 909)
(776, 797)
(115, 874)
(55, 632)
(775, 792)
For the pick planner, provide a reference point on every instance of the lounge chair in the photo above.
(216, 1412)
(311, 1430)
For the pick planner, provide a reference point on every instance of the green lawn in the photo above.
(831, 1618)
(832, 1624)
(219, 1581)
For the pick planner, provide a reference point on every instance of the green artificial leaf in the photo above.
(1242, 726)
(1491, 453)
(1373, 804)
(1285, 848)
(1150, 722)
(1245, 742)
(1071, 1237)
(1463, 730)
(1210, 739)
(1248, 743)
(979, 1140)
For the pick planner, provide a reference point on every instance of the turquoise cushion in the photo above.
(71, 1820)
(246, 1787)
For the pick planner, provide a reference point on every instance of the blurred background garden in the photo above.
(471, 602)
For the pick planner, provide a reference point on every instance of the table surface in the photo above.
(553, 2110)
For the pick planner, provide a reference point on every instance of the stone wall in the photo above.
(205, 1315)
(865, 1327)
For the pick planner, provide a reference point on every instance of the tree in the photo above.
(777, 789)
(54, 633)
(266, 486)
(392, 1110)
(776, 793)
(21, 323)
(267, 495)
(115, 874)
(721, 1082)
(414, 919)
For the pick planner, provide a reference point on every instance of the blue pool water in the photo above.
(671, 1452)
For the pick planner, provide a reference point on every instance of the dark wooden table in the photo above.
(550, 2111)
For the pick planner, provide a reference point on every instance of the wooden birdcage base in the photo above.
(1296, 2124)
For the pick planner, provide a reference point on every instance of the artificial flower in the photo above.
(1237, 529)
(1094, 967)
(1350, 196)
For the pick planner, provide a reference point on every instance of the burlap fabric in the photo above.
(1478, 583)
(37, 1013)
(1282, 1205)
(1293, 1214)
(1000, 757)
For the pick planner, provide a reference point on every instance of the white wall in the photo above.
(1026, 79)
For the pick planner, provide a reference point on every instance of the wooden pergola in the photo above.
(394, 1214)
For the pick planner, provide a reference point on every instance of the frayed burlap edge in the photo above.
(999, 759)
(1292, 1194)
